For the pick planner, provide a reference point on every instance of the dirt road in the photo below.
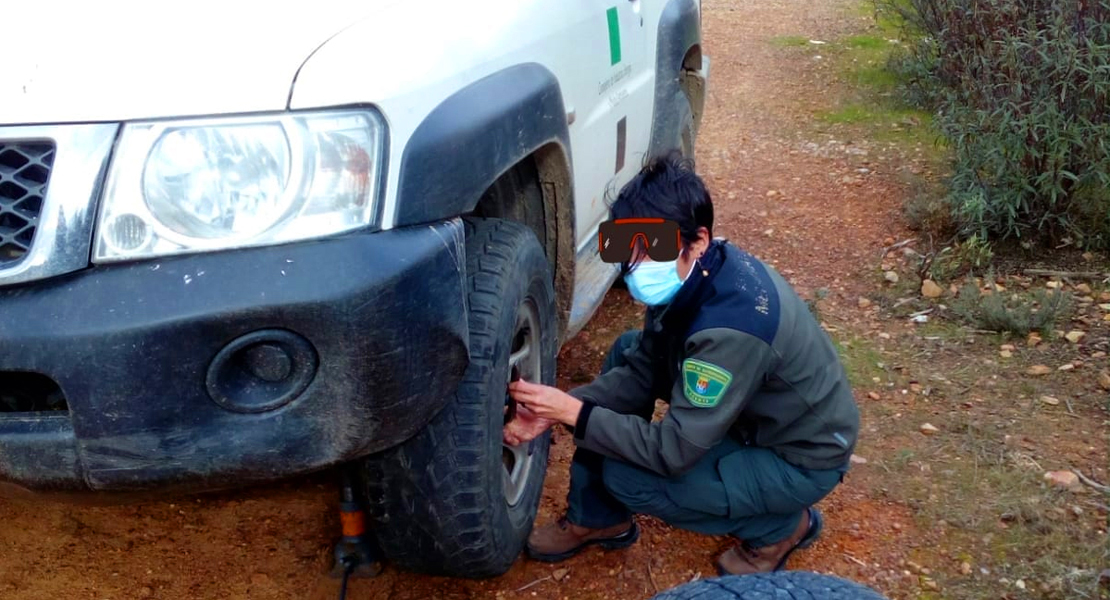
(778, 193)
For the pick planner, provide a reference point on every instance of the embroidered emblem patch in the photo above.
(704, 383)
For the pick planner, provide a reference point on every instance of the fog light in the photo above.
(261, 371)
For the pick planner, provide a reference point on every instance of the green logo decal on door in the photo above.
(614, 36)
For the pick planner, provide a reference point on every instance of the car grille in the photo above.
(24, 172)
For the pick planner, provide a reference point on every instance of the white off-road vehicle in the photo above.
(241, 241)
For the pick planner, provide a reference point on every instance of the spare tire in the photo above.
(787, 585)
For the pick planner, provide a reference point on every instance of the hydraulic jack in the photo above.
(356, 554)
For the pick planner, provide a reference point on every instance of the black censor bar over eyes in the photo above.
(617, 238)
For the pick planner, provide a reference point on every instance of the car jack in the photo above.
(356, 554)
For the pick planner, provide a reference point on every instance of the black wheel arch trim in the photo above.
(679, 30)
(476, 135)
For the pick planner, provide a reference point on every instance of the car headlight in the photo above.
(214, 184)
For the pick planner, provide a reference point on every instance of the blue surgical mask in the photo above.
(654, 283)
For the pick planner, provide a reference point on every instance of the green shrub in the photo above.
(972, 254)
(1011, 313)
(1021, 89)
(927, 209)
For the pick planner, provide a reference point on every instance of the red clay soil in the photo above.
(799, 203)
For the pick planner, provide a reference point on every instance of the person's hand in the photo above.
(546, 401)
(525, 427)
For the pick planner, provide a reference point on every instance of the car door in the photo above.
(612, 129)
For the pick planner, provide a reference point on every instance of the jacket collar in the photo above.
(694, 292)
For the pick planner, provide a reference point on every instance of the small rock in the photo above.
(1005, 353)
(965, 568)
(863, 302)
(1066, 367)
(1104, 307)
(1075, 336)
(890, 277)
(929, 429)
(1104, 380)
(873, 395)
(930, 584)
(1009, 347)
(1083, 289)
(1065, 480)
(772, 193)
(769, 232)
(930, 289)
(1033, 340)
(1020, 584)
(1049, 400)
(1052, 285)
(560, 574)
(888, 241)
(1104, 297)
(1039, 370)
(858, 460)
(884, 335)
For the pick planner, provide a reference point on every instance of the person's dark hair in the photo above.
(667, 187)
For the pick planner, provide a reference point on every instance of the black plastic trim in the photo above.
(679, 30)
(476, 135)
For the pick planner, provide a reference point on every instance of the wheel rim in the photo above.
(525, 358)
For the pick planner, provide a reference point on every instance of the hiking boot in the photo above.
(563, 539)
(742, 559)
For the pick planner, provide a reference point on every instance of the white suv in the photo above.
(241, 241)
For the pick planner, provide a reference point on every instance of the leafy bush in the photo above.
(1021, 89)
(927, 210)
(1011, 313)
(972, 254)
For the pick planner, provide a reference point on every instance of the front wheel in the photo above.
(454, 500)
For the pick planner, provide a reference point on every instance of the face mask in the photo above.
(654, 283)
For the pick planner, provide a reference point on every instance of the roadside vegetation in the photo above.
(981, 354)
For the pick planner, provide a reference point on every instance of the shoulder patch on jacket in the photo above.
(704, 383)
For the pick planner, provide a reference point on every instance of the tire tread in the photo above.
(437, 519)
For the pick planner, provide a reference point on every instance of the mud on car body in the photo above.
(265, 242)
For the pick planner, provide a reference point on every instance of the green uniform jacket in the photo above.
(736, 353)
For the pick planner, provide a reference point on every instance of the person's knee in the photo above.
(615, 358)
(633, 487)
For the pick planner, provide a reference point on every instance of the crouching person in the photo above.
(761, 420)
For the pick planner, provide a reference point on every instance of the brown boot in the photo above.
(562, 539)
(742, 559)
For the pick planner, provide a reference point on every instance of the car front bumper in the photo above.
(379, 320)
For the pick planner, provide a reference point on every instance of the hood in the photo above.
(113, 60)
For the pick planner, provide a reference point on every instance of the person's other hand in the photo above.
(525, 427)
(546, 401)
